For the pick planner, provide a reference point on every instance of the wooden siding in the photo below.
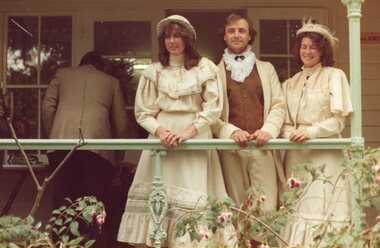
(370, 57)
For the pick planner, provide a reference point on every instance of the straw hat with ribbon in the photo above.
(309, 26)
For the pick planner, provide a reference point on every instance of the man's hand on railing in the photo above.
(241, 137)
(261, 137)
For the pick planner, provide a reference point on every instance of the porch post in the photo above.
(354, 15)
(357, 145)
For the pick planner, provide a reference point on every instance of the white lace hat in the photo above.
(177, 19)
(309, 26)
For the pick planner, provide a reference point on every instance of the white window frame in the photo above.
(6, 87)
(257, 14)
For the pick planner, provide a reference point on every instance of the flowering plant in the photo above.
(64, 224)
(221, 224)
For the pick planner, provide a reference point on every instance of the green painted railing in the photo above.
(144, 144)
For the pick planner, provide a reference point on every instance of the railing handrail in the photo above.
(154, 144)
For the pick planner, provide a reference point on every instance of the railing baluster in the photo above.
(158, 204)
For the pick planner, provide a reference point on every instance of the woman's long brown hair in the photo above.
(192, 57)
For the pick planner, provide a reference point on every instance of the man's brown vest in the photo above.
(246, 101)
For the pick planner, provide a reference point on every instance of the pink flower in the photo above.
(228, 215)
(262, 198)
(376, 168)
(100, 219)
(204, 235)
(224, 217)
(378, 219)
(293, 183)
(221, 218)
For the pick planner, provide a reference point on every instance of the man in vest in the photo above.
(254, 110)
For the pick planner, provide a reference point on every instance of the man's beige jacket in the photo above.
(87, 98)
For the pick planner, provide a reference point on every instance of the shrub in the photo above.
(64, 224)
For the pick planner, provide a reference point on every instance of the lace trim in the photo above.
(179, 197)
(176, 81)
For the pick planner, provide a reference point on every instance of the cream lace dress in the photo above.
(174, 98)
(318, 99)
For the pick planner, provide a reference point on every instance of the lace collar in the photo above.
(242, 68)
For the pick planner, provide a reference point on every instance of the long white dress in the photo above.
(318, 99)
(175, 98)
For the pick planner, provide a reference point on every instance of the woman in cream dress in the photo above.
(318, 101)
(177, 98)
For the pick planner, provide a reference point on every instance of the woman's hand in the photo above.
(176, 139)
(167, 138)
(188, 133)
(299, 135)
(170, 139)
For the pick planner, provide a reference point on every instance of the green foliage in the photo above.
(250, 220)
(17, 232)
(64, 223)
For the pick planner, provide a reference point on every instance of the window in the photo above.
(36, 47)
(127, 47)
(276, 28)
(277, 39)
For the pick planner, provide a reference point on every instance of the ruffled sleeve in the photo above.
(340, 107)
(146, 108)
(212, 94)
(340, 101)
(207, 70)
